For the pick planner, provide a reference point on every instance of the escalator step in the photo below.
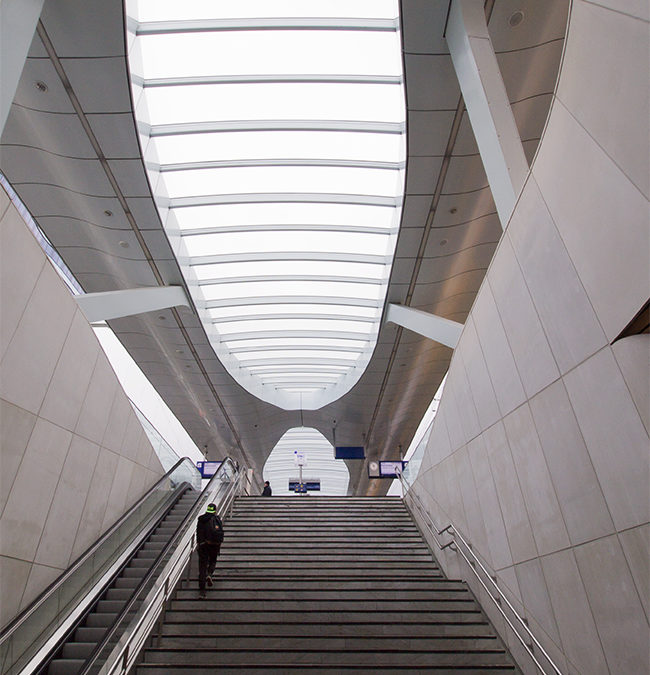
(65, 667)
(78, 650)
(103, 619)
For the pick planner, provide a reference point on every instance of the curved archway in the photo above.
(320, 465)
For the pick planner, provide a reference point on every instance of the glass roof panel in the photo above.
(307, 355)
(172, 10)
(282, 241)
(315, 179)
(234, 116)
(335, 145)
(225, 271)
(284, 288)
(295, 342)
(288, 213)
(316, 325)
(257, 53)
(275, 101)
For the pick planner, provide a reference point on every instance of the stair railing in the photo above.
(461, 546)
(156, 588)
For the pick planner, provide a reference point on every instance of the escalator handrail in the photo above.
(15, 623)
(180, 530)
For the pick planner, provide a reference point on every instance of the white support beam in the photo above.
(271, 23)
(487, 103)
(431, 326)
(18, 20)
(117, 304)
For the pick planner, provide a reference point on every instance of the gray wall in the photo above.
(73, 455)
(539, 452)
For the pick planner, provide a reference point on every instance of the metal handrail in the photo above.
(501, 596)
(180, 546)
(13, 625)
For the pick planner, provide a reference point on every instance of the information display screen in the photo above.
(391, 469)
(208, 469)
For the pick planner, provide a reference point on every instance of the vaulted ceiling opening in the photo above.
(274, 139)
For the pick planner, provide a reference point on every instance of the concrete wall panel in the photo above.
(546, 467)
(73, 454)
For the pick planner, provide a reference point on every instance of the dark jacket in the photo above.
(266, 492)
(209, 529)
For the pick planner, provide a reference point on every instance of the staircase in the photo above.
(334, 584)
(82, 642)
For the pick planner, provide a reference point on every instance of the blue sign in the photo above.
(349, 452)
(208, 469)
(309, 485)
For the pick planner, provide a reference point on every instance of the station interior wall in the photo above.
(74, 456)
(539, 451)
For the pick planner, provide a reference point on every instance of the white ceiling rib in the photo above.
(209, 25)
(229, 126)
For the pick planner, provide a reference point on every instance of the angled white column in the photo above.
(434, 327)
(116, 304)
(487, 103)
(18, 19)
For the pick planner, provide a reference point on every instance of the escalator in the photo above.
(75, 624)
(83, 639)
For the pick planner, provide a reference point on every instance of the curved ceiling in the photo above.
(72, 152)
(275, 146)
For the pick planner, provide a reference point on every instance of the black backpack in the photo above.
(210, 529)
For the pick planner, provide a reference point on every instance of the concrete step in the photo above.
(476, 629)
(275, 565)
(234, 543)
(264, 583)
(331, 643)
(252, 668)
(300, 558)
(306, 657)
(311, 595)
(304, 616)
(218, 604)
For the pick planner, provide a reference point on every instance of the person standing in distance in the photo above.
(266, 492)
(209, 535)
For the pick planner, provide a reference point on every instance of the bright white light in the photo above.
(278, 145)
(281, 241)
(246, 180)
(172, 10)
(257, 53)
(338, 76)
(221, 102)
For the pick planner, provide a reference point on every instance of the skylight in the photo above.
(274, 137)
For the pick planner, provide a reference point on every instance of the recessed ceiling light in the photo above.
(453, 210)
(108, 213)
(124, 244)
(41, 86)
(516, 18)
(443, 242)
